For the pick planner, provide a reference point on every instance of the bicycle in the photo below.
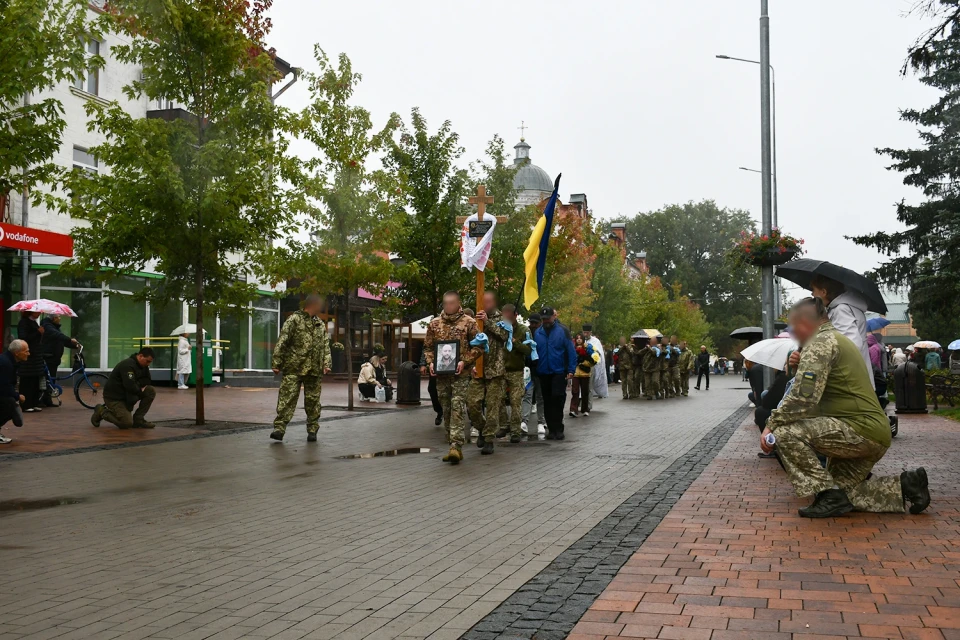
(88, 388)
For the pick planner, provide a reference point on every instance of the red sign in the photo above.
(55, 244)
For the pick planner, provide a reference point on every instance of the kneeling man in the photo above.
(832, 409)
(129, 384)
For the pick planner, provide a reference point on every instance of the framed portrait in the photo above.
(447, 357)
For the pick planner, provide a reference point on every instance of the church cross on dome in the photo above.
(523, 127)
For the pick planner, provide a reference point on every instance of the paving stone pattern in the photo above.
(733, 560)
(237, 537)
(548, 607)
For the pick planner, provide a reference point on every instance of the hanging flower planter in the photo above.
(764, 251)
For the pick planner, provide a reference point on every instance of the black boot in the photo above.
(828, 504)
(914, 487)
(439, 419)
(481, 441)
(311, 436)
(487, 449)
(502, 433)
(515, 439)
(276, 435)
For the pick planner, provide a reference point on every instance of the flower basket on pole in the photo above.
(764, 250)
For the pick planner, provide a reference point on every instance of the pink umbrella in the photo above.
(50, 307)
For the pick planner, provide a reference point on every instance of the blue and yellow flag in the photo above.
(535, 256)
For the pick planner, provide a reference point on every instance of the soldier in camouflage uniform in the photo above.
(453, 325)
(625, 364)
(639, 354)
(514, 362)
(301, 357)
(651, 370)
(490, 389)
(673, 365)
(666, 388)
(831, 408)
(686, 361)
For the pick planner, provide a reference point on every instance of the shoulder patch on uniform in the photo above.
(808, 383)
(130, 374)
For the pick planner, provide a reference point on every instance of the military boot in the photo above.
(502, 433)
(481, 441)
(97, 416)
(828, 504)
(914, 487)
(454, 456)
(312, 436)
(276, 435)
(487, 448)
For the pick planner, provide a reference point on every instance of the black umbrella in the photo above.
(802, 271)
(747, 333)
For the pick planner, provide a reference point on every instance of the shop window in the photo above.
(163, 320)
(86, 326)
(60, 279)
(266, 325)
(128, 319)
(235, 327)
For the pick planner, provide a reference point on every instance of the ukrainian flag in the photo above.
(535, 256)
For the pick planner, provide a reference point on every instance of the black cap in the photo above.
(547, 312)
(535, 317)
(588, 327)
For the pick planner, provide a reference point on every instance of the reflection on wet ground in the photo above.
(385, 454)
(32, 505)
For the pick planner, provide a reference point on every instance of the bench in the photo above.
(944, 387)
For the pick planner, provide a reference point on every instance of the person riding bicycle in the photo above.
(128, 384)
(52, 345)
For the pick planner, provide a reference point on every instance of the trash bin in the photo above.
(408, 383)
(207, 365)
(910, 387)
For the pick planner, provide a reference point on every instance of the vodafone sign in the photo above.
(55, 244)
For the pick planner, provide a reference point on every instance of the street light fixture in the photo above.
(773, 118)
(750, 170)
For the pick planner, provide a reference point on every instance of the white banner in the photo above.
(475, 252)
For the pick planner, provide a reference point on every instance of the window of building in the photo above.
(85, 297)
(235, 327)
(127, 319)
(90, 81)
(266, 328)
(163, 320)
(85, 161)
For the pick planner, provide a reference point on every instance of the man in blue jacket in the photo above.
(558, 360)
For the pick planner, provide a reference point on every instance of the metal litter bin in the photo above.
(910, 387)
(408, 383)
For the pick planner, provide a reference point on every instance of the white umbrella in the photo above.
(185, 328)
(926, 344)
(771, 352)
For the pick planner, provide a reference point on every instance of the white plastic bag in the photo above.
(381, 394)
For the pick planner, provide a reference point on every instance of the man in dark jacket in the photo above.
(10, 398)
(556, 364)
(128, 384)
(703, 367)
(52, 344)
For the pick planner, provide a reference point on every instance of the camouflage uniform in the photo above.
(673, 368)
(666, 387)
(302, 353)
(625, 363)
(492, 387)
(452, 389)
(514, 362)
(651, 372)
(639, 354)
(686, 359)
(832, 409)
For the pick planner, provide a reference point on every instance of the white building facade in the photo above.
(111, 325)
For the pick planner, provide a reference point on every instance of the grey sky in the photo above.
(628, 101)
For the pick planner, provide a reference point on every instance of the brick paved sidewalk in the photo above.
(67, 428)
(733, 559)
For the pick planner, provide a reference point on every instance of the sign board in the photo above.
(479, 228)
(401, 345)
(55, 244)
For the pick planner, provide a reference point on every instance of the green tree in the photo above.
(356, 215)
(42, 43)
(686, 244)
(196, 196)
(434, 191)
(925, 256)
(616, 295)
(569, 272)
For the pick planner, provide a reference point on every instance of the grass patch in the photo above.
(953, 414)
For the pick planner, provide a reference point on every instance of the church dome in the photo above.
(529, 177)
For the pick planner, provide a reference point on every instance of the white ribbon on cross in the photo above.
(475, 252)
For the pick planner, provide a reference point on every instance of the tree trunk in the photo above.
(201, 418)
(347, 346)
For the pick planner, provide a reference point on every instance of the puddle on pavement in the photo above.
(33, 505)
(385, 454)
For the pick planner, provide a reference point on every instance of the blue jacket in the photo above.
(555, 348)
(8, 376)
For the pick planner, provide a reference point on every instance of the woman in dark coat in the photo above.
(31, 371)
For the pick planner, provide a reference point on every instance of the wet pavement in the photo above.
(234, 536)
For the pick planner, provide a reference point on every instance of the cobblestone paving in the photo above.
(733, 560)
(235, 537)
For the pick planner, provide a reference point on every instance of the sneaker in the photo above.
(97, 415)
(828, 504)
(541, 428)
(523, 427)
(311, 437)
(474, 433)
(276, 435)
(5, 440)
(515, 439)
(915, 491)
(586, 414)
(487, 449)
(573, 415)
(30, 410)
